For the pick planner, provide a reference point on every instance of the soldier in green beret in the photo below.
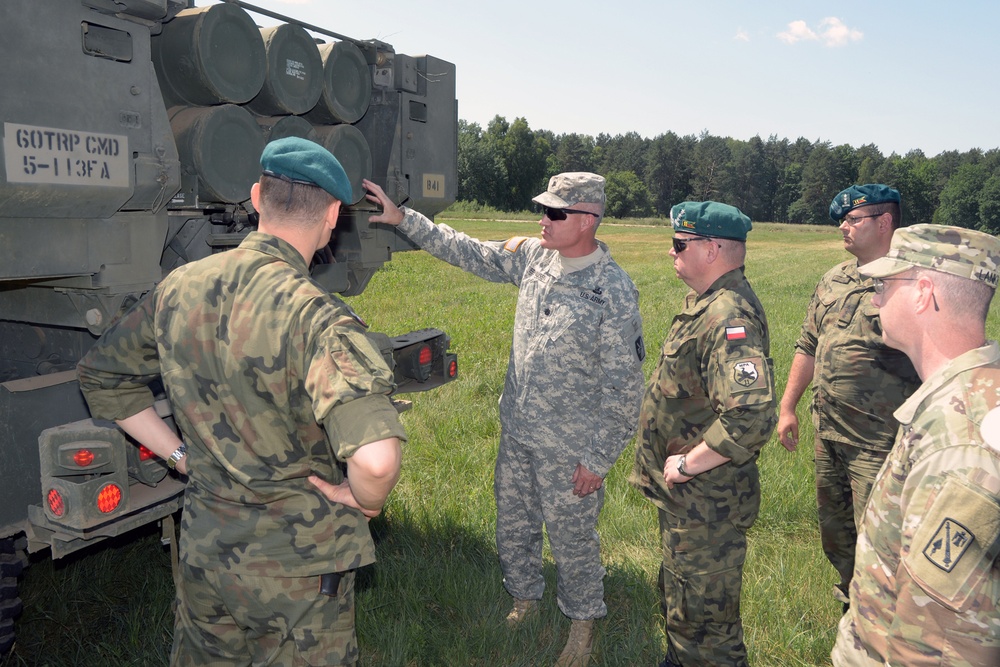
(276, 389)
(858, 381)
(926, 586)
(708, 409)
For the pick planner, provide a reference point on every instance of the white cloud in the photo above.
(741, 35)
(835, 33)
(797, 31)
(831, 31)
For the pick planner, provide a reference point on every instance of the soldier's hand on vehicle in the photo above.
(788, 429)
(585, 482)
(391, 215)
(341, 493)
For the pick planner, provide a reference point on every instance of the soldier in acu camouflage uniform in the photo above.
(571, 396)
(708, 410)
(926, 587)
(858, 381)
(276, 389)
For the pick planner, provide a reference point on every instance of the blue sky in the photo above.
(900, 75)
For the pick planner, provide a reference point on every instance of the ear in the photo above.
(332, 213)
(712, 252)
(924, 298)
(885, 224)
(255, 196)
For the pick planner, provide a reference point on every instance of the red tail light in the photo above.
(83, 457)
(426, 356)
(55, 500)
(453, 368)
(109, 497)
(145, 453)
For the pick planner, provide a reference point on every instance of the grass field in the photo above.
(435, 596)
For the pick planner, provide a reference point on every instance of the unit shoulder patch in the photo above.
(956, 543)
(947, 546)
(747, 374)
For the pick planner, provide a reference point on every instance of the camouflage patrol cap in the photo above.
(575, 187)
(861, 195)
(710, 218)
(304, 161)
(955, 250)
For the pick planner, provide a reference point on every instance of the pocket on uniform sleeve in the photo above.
(954, 549)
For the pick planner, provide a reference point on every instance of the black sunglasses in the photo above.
(681, 246)
(556, 214)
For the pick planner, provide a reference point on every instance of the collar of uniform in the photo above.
(731, 280)
(980, 356)
(276, 247)
(586, 276)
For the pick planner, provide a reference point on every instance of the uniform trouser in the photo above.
(700, 580)
(225, 619)
(844, 478)
(848, 650)
(533, 487)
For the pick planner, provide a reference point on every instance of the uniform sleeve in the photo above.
(496, 261)
(740, 380)
(622, 351)
(809, 335)
(349, 384)
(114, 375)
(948, 577)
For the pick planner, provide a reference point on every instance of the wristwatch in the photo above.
(176, 457)
(680, 466)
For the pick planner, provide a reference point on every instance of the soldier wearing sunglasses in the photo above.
(926, 585)
(708, 409)
(857, 380)
(571, 397)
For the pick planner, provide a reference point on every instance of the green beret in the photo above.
(303, 161)
(961, 252)
(861, 195)
(710, 218)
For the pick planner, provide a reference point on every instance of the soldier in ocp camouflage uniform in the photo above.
(276, 388)
(857, 380)
(708, 409)
(571, 396)
(926, 586)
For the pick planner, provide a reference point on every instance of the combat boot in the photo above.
(579, 645)
(522, 609)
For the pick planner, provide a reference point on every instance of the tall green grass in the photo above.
(435, 597)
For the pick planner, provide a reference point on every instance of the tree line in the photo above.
(773, 180)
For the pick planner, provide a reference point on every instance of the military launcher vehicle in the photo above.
(131, 134)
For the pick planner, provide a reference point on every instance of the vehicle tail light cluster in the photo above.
(84, 473)
(422, 360)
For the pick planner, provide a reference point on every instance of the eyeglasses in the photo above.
(680, 246)
(880, 283)
(853, 220)
(557, 214)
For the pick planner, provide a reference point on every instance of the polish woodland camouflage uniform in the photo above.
(271, 379)
(714, 383)
(926, 587)
(571, 395)
(858, 382)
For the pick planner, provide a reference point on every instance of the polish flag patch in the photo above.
(736, 333)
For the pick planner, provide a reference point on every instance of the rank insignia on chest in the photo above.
(736, 333)
(947, 546)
